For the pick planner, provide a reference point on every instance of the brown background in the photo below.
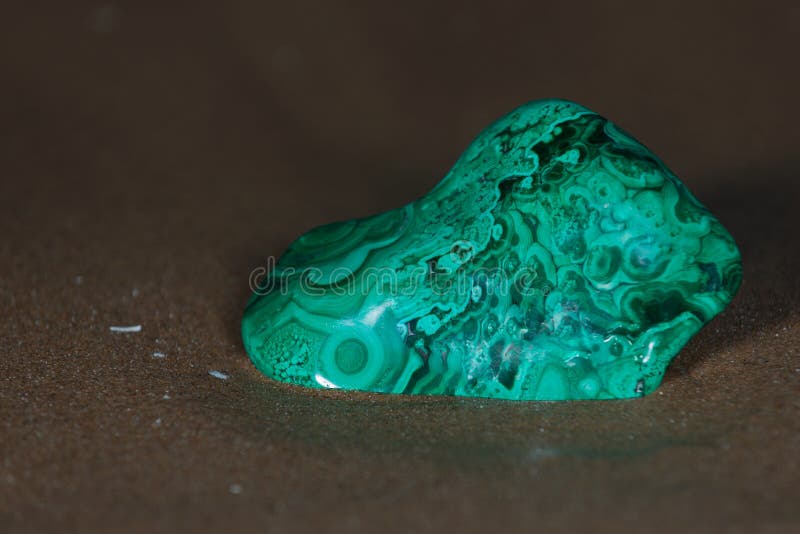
(153, 153)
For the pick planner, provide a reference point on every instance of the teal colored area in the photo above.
(558, 259)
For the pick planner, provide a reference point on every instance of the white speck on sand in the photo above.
(159, 355)
(236, 489)
(126, 329)
(157, 422)
(217, 374)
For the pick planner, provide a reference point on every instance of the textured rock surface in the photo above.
(558, 259)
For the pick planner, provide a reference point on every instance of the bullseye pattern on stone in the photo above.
(558, 259)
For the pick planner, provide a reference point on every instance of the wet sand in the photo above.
(150, 158)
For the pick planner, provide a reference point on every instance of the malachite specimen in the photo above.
(558, 259)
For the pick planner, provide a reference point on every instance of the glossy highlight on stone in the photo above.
(558, 259)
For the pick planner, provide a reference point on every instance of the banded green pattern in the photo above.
(558, 259)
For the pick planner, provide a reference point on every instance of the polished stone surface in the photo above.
(558, 259)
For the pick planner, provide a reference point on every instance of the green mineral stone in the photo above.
(558, 259)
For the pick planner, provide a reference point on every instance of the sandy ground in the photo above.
(151, 157)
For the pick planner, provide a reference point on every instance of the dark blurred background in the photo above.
(153, 153)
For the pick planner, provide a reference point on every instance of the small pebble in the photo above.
(126, 329)
(236, 489)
